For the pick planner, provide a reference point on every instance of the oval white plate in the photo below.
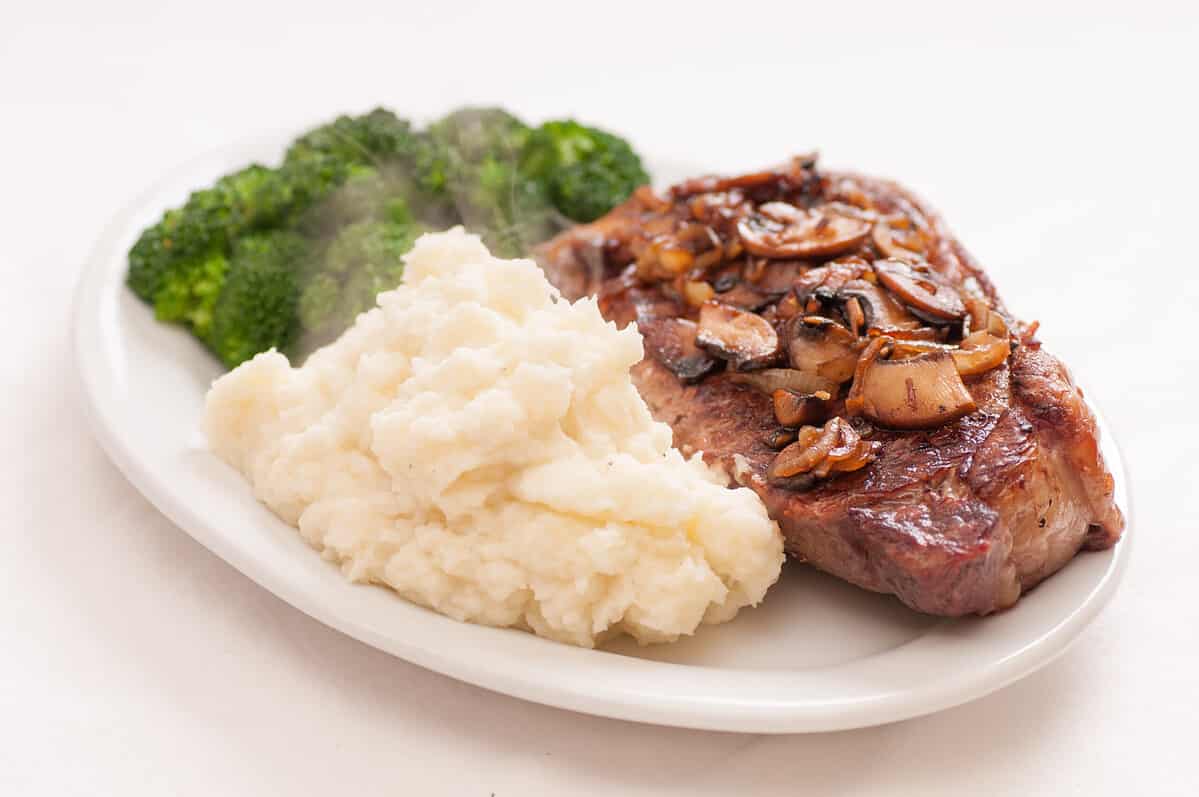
(818, 654)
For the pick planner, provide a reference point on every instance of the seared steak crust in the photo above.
(953, 520)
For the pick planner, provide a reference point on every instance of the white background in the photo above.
(1058, 138)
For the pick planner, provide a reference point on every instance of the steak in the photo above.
(956, 504)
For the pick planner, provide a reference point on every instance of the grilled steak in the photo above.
(822, 337)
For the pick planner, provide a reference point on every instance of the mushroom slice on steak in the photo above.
(744, 296)
(894, 237)
(779, 276)
(671, 341)
(821, 346)
(778, 229)
(746, 340)
(928, 297)
(792, 408)
(920, 392)
(883, 314)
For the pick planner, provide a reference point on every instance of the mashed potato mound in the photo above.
(475, 444)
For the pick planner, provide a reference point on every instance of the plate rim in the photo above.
(707, 712)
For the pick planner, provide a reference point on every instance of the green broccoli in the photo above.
(256, 307)
(364, 259)
(475, 159)
(177, 248)
(190, 292)
(288, 257)
(585, 171)
(368, 139)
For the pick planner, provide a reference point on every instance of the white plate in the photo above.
(817, 655)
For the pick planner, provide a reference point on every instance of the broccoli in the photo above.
(364, 259)
(476, 154)
(256, 307)
(178, 248)
(289, 256)
(368, 139)
(585, 171)
(189, 293)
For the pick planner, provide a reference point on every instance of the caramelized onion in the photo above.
(821, 451)
(778, 229)
(746, 340)
(980, 351)
(696, 293)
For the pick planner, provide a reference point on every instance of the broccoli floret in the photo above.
(175, 250)
(585, 171)
(364, 259)
(150, 259)
(368, 139)
(190, 292)
(476, 157)
(318, 302)
(256, 308)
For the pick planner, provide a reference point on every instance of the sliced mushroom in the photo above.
(883, 314)
(979, 352)
(792, 408)
(779, 276)
(671, 341)
(787, 308)
(920, 392)
(821, 346)
(823, 283)
(744, 296)
(925, 295)
(778, 229)
(891, 242)
(771, 379)
(746, 340)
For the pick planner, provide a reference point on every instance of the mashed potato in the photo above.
(475, 444)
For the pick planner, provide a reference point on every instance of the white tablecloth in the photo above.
(1059, 139)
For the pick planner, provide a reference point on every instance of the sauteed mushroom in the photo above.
(822, 346)
(673, 342)
(746, 340)
(920, 392)
(792, 408)
(926, 296)
(777, 229)
(882, 313)
(902, 244)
